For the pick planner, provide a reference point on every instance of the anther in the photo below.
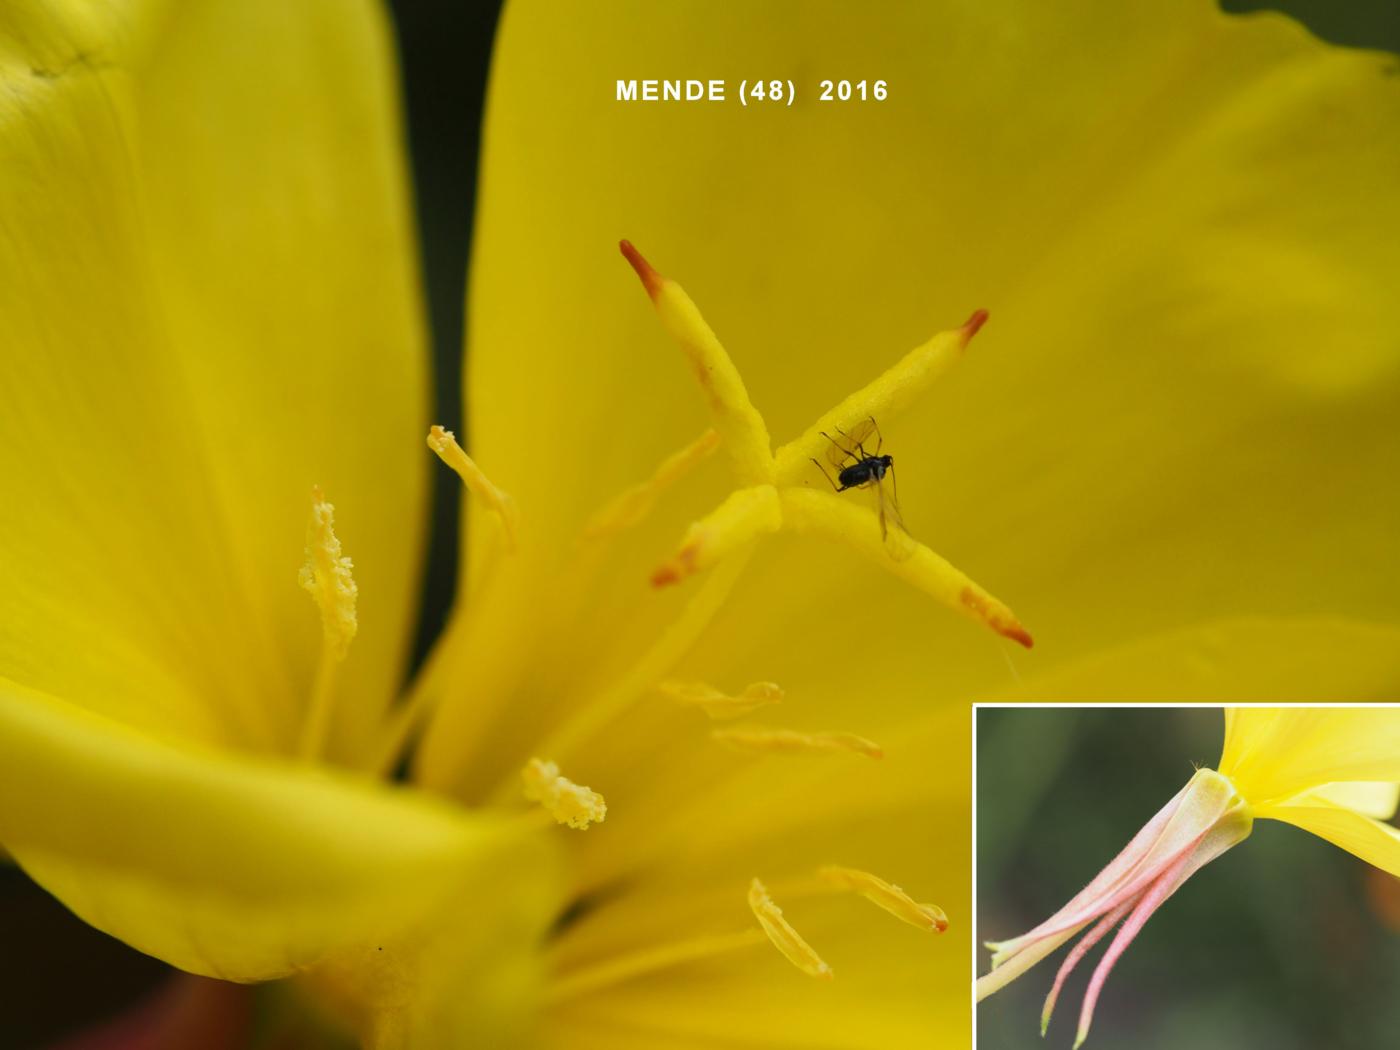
(566, 802)
(784, 937)
(791, 742)
(444, 443)
(328, 577)
(887, 896)
(721, 706)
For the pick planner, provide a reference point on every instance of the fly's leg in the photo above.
(833, 484)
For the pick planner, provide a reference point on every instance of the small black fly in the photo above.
(857, 468)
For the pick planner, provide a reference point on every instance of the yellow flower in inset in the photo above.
(1332, 771)
(1169, 451)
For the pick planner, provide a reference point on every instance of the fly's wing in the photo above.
(845, 445)
(899, 545)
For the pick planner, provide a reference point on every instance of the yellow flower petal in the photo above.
(207, 280)
(1372, 800)
(1250, 659)
(1363, 836)
(239, 868)
(1272, 753)
(283, 250)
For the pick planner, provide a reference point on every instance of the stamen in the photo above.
(567, 802)
(651, 960)
(783, 936)
(721, 706)
(887, 896)
(328, 577)
(610, 703)
(742, 429)
(636, 503)
(886, 396)
(444, 443)
(744, 516)
(808, 510)
(791, 742)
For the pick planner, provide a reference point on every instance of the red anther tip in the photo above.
(973, 324)
(978, 604)
(651, 280)
(675, 570)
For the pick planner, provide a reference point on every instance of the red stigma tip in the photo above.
(973, 324)
(651, 280)
(1020, 634)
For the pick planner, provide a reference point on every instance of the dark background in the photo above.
(59, 975)
(1281, 944)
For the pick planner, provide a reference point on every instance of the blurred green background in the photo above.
(60, 975)
(1280, 944)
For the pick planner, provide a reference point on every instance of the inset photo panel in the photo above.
(1170, 876)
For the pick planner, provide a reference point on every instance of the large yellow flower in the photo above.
(1168, 450)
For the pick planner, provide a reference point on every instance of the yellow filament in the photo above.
(721, 706)
(823, 513)
(886, 396)
(744, 434)
(328, 577)
(565, 801)
(744, 516)
(636, 503)
(651, 960)
(444, 443)
(791, 742)
(885, 895)
(784, 937)
(602, 708)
